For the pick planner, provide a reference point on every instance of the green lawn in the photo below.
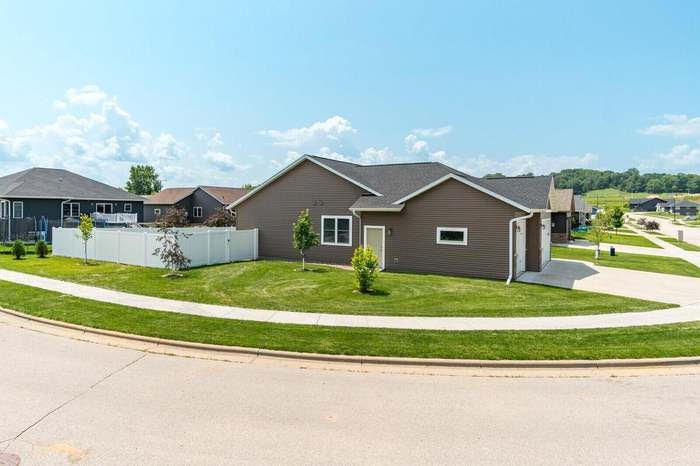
(636, 342)
(626, 239)
(279, 285)
(643, 262)
(681, 244)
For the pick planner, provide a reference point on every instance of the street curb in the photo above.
(372, 360)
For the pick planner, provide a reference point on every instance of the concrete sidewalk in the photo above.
(630, 319)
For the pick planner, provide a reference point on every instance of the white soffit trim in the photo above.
(377, 209)
(294, 164)
(468, 183)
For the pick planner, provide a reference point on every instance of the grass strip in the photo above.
(672, 340)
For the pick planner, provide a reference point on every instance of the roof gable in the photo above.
(169, 196)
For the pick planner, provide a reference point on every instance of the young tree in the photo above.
(366, 266)
(601, 224)
(304, 236)
(221, 218)
(86, 229)
(617, 217)
(143, 180)
(42, 249)
(169, 250)
(18, 249)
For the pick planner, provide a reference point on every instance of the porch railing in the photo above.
(115, 218)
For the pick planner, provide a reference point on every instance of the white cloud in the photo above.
(59, 105)
(680, 157)
(415, 145)
(104, 140)
(373, 155)
(675, 125)
(331, 129)
(432, 132)
(518, 165)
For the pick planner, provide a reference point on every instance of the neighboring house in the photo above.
(680, 207)
(35, 200)
(199, 202)
(563, 208)
(647, 204)
(582, 211)
(418, 217)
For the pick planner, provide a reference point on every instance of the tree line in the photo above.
(583, 180)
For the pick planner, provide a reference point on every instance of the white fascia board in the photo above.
(294, 164)
(452, 176)
(377, 209)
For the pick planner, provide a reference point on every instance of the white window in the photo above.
(18, 209)
(4, 209)
(448, 235)
(127, 207)
(336, 230)
(71, 209)
(103, 208)
(197, 212)
(156, 211)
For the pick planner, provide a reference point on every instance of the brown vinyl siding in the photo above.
(534, 241)
(412, 245)
(275, 208)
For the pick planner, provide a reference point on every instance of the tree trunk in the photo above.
(85, 252)
(303, 262)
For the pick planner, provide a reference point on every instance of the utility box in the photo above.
(612, 250)
(680, 235)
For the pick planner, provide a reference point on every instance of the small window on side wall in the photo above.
(197, 212)
(450, 235)
(18, 209)
(127, 208)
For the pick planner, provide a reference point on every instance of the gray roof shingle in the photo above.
(395, 181)
(54, 183)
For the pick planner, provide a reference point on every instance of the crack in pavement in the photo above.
(10, 440)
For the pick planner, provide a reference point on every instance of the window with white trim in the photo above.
(18, 209)
(450, 235)
(4, 209)
(156, 211)
(71, 209)
(103, 208)
(197, 212)
(336, 230)
(127, 208)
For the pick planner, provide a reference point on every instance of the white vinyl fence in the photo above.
(202, 246)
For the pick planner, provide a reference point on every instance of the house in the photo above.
(35, 200)
(563, 207)
(582, 211)
(418, 217)
(647, 204)
(681, 207)
(199, 202)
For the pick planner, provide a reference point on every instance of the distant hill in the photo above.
(629, 182)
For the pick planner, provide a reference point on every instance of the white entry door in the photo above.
(520, 247)
(546, 242)
(374, 238)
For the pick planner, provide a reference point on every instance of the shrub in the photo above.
(173, 217)
(366, 266)
(642, 221)
(651, 225)
(221, 218)
(18, 249)
(42, 249)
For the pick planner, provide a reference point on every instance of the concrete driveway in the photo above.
(579, 275)
(64, 401)
(690, 234)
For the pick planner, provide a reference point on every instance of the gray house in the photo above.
(647, 204)
(199, 202)
(563, 207)
(35, 200)
(680, 207)
(418, 217)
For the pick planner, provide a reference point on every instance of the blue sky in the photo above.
(226, 93)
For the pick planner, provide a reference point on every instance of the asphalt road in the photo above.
(64, 401)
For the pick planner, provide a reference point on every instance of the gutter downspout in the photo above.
(359, 218)
(62, 204)
(510, 244)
